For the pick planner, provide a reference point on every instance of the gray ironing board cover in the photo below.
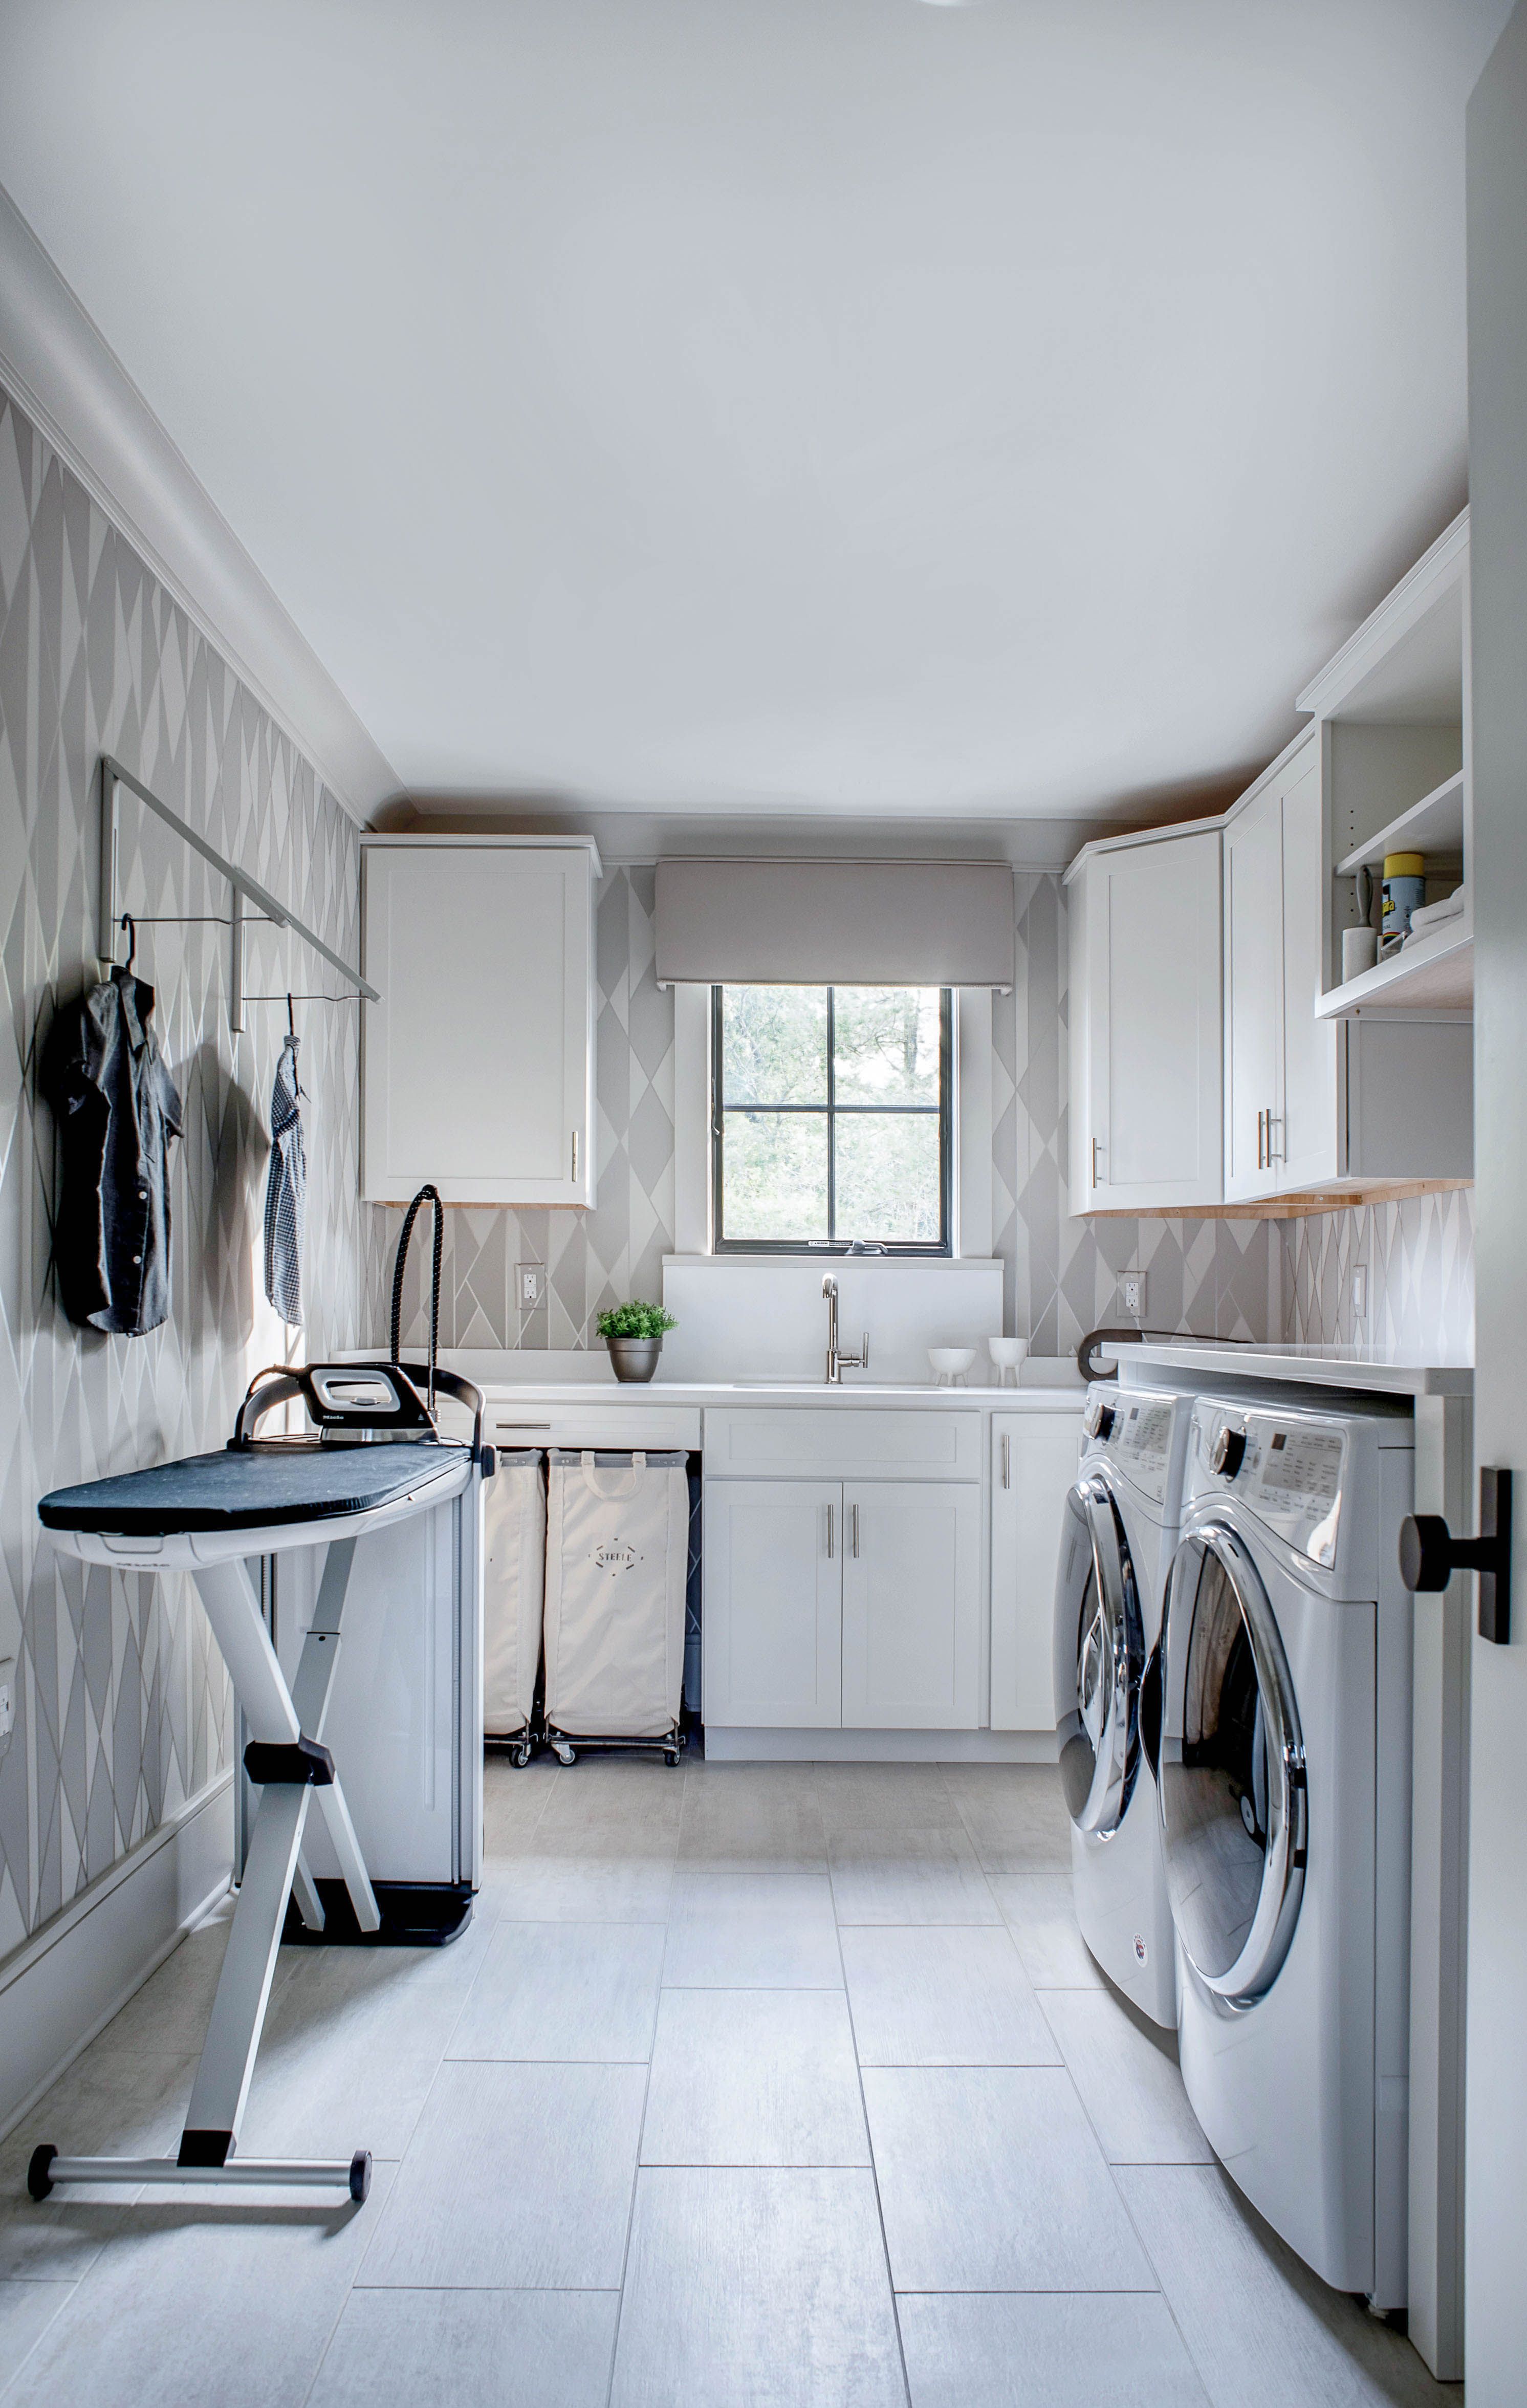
(251, 1488)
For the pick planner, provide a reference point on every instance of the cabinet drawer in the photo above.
(656, 1428)
(825, 1442)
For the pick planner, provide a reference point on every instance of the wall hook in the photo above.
(132, 939)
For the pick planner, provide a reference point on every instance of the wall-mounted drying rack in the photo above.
(242, 889)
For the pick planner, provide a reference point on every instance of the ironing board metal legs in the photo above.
(286, 1756)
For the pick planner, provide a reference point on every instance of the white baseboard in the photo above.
(65, 1984)
(879, 1747)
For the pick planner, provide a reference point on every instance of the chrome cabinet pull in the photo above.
(1261, 1159)
(1095, 1162)
(854, 1511)
(829, 1534)
(574, 1155)
(1006, 1459)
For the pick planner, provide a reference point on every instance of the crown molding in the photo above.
(1434, 574)
(60, 368)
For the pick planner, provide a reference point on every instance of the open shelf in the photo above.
(1435, 972)
(1435, 824)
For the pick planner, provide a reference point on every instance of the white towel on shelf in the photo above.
(1431, 915)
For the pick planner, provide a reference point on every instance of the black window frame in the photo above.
(802, 1247)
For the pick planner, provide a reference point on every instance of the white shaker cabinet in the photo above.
(773, 1627)
(478, 1062)
(1144, 999)
(911, 1606)
(1282, 1116)
(1312, 1104)
(1033, 1464)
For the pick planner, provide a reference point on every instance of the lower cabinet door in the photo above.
(1033, 1464)
(911, 1606)
(773, 1606)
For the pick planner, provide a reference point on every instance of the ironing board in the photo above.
(209, 1515)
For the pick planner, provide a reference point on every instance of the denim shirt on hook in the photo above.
(118, 1110)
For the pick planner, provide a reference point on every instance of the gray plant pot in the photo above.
(634, 1359)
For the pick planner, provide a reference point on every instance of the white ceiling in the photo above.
(787, 406)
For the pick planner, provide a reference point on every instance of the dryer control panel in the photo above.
(1135, 1431)
(1287, 1468)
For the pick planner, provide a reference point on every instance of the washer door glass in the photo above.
(1099, 1660)
(1231, 1779)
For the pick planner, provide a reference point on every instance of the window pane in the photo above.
(773, 1046)
(774, 1170)
(886, 1044)
(888, 1187)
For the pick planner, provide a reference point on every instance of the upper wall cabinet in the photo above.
(476, 1068)
(1144, 1005)
(1280, 1061)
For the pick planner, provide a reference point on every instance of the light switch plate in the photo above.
(1132, 1294)
(530, 1285)
(1359, 1291)
(8, 1701)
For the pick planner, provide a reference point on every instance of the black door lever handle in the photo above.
(1429, 1555)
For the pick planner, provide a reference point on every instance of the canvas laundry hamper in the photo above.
(514, 1587)
(617, 1529)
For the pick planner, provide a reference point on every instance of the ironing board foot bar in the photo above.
(305, 2173)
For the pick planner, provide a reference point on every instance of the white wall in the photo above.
(770, 1317)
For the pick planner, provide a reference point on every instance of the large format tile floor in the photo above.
(788, 2086)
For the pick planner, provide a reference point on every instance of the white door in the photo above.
(773, 1644)
(911, 1606)
(1153, 1020)
(1033, 1464)
(476, 1063)
(1253, 994)
(1305, 1132)
(1495, 2208)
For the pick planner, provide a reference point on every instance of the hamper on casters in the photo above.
(616, 1557)
(514, 1571)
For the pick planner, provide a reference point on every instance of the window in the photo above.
(830, 1119)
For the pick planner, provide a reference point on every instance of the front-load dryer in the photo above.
(1117, 1543)
(1284, 1786)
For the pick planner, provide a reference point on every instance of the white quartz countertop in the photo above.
(586, 1379)
(1384, 1371)
(770, 1391)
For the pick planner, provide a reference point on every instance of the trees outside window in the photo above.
(831, 1118)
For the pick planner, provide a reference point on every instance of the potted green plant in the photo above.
(633, 1334)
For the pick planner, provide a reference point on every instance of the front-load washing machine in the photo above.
(1284, 1786)
(1117, 1542)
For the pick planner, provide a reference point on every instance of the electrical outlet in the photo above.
(8, 1701)
(530, 1285)
(1132, 1294)
(1359, 1291)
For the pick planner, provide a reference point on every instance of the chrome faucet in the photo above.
(838, 1363)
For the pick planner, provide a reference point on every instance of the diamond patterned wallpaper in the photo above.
(1420, 1258)
(123, 1702)
(1217, 1278)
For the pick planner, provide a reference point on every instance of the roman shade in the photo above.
(834, 924)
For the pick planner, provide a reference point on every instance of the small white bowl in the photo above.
(1006, 1355)
(951, 1364)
